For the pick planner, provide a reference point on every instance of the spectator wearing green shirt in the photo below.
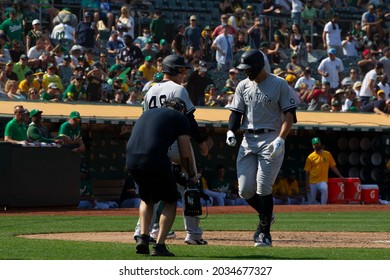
(16, 130)
(157, 27)
(21, 68)
(13, 27)
(70, 132)
(75, 91)
(326, 13)
(310, 16)
(51, 94)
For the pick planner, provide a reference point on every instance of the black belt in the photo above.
(259, 131)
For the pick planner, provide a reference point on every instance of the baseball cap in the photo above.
(227, 90)
(207, 27)
(315, 140)
(75, 115)
(36, 21)
(148, 58)
(11, 11)
(66, 57)
(331, 51)
(290, 78)
(365, 52)
(380, 91)
(233, 70)
(39, 72)
(53, 85)
(90, 51)
(76, 48)
(148, 41)
(28, 73)
(34, 112)
(51, 65)
(163, 42)
(87, 14)
(158, 77)
(193, 17)
(23, 56)
(208, 87)
(265, 44)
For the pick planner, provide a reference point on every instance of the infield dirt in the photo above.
(232, 238)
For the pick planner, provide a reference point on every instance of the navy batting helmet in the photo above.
(252, 62)
(251, 59)
(172, 63)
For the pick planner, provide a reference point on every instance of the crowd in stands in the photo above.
(102, 58)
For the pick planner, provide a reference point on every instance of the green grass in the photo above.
(13, 247)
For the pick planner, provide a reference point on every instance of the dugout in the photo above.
(360, 143)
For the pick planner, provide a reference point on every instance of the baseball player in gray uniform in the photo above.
(174, 67)
(265, 109)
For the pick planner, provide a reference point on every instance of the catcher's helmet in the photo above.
(172, 63)
(252, 59)
(175, 103)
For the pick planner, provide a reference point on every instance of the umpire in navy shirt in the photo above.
(148, 162)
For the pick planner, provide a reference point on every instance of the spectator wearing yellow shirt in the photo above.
(148, 69)
(28, 82)
(317, 167)
(38, 79)
(51, 77)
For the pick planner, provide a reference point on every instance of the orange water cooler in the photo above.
(352, 192)
(335, 191)
(370, 194)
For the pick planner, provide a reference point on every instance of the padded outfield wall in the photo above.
(359, 142)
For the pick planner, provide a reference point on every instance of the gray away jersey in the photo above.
(262, 104)
(165, 90)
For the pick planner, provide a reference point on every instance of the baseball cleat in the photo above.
(142, 246)
(154, 234)
(257, 232)
(151, 239)
(161, 250)
(263, 241)
(195, 242)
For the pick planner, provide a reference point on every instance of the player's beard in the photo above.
(252, 73)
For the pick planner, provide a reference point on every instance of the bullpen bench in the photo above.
(107, 190)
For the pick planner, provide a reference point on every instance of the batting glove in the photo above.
(231, 138)
(276, 147)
